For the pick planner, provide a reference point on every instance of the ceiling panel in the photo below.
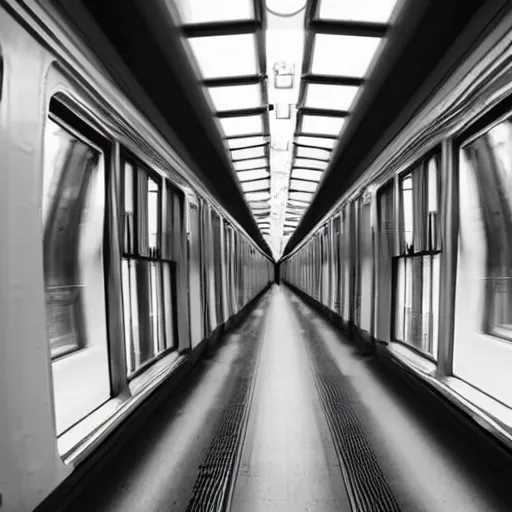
(323, 125)
(303, 152)
(303, 186)
(241, 125)
(203, 11)
(376, 11)
(256, 152)
(244, 142)
(250, 186)
(306, 174)
(316, 141)
(257, 196)
(253, 175)
(225, 56)
(254, 163)
(301, 196)
(236, 97)
(309, 164)
(335, 97)
(357, 52)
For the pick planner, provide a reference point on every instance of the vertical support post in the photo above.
(448, 263)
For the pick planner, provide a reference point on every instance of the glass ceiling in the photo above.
(283, 82)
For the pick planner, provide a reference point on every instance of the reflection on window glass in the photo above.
(489, 159)
(73, 216)
(483, 301)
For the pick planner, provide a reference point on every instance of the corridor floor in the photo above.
(319, 428)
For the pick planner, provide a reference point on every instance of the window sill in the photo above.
(421, 364)
(81, 440)
(491, 415)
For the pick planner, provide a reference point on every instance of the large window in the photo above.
(148, 268)
(73, 216)
(417, 264)
(483, 306)
(489, 158)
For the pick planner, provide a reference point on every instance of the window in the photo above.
(489, 160)
(217, 262)
(73, 217)
(483, 293)
(417, 264)
(148, 269)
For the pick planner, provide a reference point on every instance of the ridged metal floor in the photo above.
(286, 416)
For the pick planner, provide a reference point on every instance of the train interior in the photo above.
(252, 256)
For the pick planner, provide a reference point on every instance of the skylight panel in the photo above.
(250, 186)
(375, 11)
(301, 196)
(225, 56)
(257, 196)
(335, 97)
(236, 97)
(244, 142)
(205, 11)
(313, 153)
(252, 175)
(254, 163)
(309, 164)
(259, 206)
(306, 174)
(303, 186)
(343, 55)
(248, 153)
(240, 125)
(322, 125)
(316, 141)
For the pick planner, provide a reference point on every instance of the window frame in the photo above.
(138, 165)
(420, 163)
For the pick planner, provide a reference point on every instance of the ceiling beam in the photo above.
(349, 28)
(223, 28)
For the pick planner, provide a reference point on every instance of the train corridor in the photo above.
(286, 416)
